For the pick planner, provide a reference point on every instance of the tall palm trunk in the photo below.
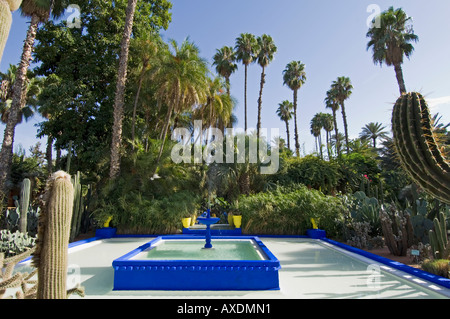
(120, 91)
(261, 86)
(287, 134)
(400, 79)
(320, 145)
(133, 123)
(338, 151)
(245, 95)
(17, 102)
(327, 135)
(49, 155)
(344, 118)
(297, 144)
(163, 137)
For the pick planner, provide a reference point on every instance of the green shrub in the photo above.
(287, 211)
(140, 204)
(356, 168)
(438, 267)
(310, 171)
(134, 214)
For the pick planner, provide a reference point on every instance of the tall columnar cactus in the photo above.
(416, 146)
(77, 206)
(438, 238)
(24, 204)
(53, 237)
(6, 7)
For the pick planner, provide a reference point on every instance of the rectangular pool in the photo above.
(180, 263)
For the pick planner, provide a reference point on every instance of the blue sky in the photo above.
(328, 36)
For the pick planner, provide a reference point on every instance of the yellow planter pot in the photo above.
(186, 222)
(106, 224)
(230, 219)
(237, 220)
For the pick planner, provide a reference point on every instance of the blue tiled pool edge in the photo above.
(445, 282)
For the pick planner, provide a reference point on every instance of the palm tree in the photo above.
(119, 98)
(373, 131)
(391, 40)
(147, 49)
(294, 76)
(181, 82)
(316, 127)
(267, 50)
(342, 88)
(218, 107)
(224, 62)
(337, 141)
(32, 89)
(332, 103)
(328, 126)
(38, 11)
(284, 111)
(246, 49)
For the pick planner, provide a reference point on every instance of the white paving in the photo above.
(310, 269)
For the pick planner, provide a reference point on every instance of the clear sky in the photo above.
(328, 36)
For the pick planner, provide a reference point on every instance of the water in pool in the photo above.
(193, 250)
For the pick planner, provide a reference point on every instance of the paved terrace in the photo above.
(311, 269)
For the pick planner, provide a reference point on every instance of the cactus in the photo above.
(24, 204)
(416, 146)
(12, 218)
(14, 243)
(438, 238)
(77, 207)
(6, 7)
(22, 280)
(366, 209)
(51, 254)
(397, 230)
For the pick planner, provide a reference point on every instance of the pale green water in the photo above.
(193, 250)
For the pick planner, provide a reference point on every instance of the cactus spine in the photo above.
(24, 204)
(416, 146)
(438, 238)
(53, 238)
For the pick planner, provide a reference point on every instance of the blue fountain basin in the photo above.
(180, 263)
(208, 220)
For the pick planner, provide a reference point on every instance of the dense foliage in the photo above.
(288, 210)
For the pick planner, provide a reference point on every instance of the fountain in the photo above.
(176, 262)
(208, 221)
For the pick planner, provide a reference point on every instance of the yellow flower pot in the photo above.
(106, 224)
(230, 219)
(186, 222)
(314, 224)
(237, 220)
